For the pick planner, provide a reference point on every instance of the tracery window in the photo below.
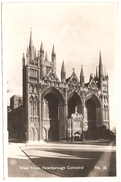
(31, 105)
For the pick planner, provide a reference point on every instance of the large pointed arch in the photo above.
(93, 107)
(56, 104)
(74, 101)
(95, 99)
(76, 97)
(54, 91)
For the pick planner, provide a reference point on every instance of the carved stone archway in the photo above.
(57, 116)
(94, 115)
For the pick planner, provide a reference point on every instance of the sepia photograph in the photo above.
(61, 89)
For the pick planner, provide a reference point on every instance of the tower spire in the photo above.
(100, 71)
(41, 47)
(96, 72)
(63, 73)
(42, 65)
(23, 60)
(30, 40)
(53, 50)
(54, 58)
(82, 72)
(82, 76)
(100, 58)
(46, 58)
(31, 49)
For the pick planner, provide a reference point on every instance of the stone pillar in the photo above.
(65, 114)
(61, 109)
(40, 118)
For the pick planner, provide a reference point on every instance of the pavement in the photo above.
(61, 160)
(19, 165)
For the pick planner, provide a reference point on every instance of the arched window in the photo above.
(36, 135)
(36, 73)
(35, 89)
(31, 88)
(31, 134)
(35, 106)
(31, 105)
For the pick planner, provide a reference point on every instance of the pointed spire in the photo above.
(35, 53)
(53, 50)
(30, 40)
(46, 58)
(63, 73)
(82, 72)
(82, 76)
(96, 72)
(53, 55)
(23, 60)
(100, 58)
(73, 70)
(41, 47)
(63, 67)
(23, 56)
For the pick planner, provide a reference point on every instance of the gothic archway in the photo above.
(93, 107)
(74, 102)
(55, 115)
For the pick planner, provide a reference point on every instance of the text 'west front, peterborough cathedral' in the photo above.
(47, 104)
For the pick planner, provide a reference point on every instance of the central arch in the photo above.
(74, 102)
(55, 114)
(93, 106)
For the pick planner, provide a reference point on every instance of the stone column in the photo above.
(65, 114)
(40, 118)
(61, 121)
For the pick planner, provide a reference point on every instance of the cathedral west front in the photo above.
(47, 103)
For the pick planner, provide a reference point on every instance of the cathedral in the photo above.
(47, 104)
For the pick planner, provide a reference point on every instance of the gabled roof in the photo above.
(51, 75)
(71, 77)
(92, 83)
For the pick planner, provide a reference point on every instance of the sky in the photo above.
(77, 30)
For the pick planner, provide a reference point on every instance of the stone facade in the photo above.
(48, 103)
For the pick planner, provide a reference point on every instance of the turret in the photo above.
(42, 66)
(100, 71)
(63, 73)
(96, 72)
(23, 60)
(82, 76)
(54, 59)
(35, 54)
(100, 66)
(31, 50)
(46, 58)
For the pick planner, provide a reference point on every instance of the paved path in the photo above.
(94, 158)
(100, 169)
(19, 165)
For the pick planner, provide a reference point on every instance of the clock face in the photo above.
(74, 80)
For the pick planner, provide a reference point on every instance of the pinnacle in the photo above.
(63, 67)
(53, 50)
(82, 72)
(100, 58)
(41, 47)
